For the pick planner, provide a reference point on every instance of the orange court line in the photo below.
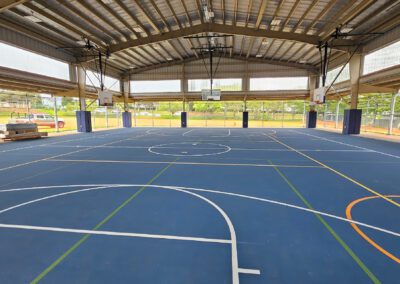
(361, 233)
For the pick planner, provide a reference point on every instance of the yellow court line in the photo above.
(362, 234)
(336, 172)
(181, 163)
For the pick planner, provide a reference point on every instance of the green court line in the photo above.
(329, 228)
(86, 236)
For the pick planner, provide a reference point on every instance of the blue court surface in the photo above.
(200, 206)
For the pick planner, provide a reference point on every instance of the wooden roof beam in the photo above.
(8, 4)
(222, 29)
(261, 13)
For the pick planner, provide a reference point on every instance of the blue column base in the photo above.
(183, 119)
(127, 119)
(352, 121)
(245, 121)
(311, 121)
(84, 121)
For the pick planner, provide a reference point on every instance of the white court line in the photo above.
(52, 196)
(209, 148)
(235, 262)
(224, 149)
(229, 134)
(184, 134)
(95, 135)
(112, 233)
(65, 154)
(42, 145)
(157, 133)
(233, 242)
(205, 135)
(347, 144)
(184, 163)
(303, 150)
(59, 186)
(134, 147)
(114, 186)
(296, 207)
(235, 268)
(249, 271)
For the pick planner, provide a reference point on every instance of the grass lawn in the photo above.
(167, 120)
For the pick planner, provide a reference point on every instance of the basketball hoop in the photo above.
(105, 98)
(211, 95)
(319, 95)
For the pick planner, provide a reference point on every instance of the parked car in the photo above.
(41, 119)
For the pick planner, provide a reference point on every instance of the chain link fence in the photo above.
(380, 113)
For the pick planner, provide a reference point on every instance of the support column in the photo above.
(183, 119)
(56, 125)
(184, 89)
(245, 120)
(352, 116)
(83, 117)
(73, 77)
(183, 114)
(337, 113)
(392, 110)
(311, 119)
(126, 115)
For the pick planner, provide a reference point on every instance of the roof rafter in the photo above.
(166, 51)
(250, 47)
(348, 16)
(320, 15)
(133, 54)
(130, 15)
(118, 17)
(29, 31)
(248, 12)
(174, 48)
(90, 22)
(312, 5)
(308, 67)
(261, 13)
(8, 4)
(223, 10)
(89, 8)
(186, 12)
(199, 10)
(147, 16)
(174, 15)
(235, 9)
(223, 29)
(278, 8)
(163, 19)
(64, 23)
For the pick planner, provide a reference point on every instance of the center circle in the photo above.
(189, 149)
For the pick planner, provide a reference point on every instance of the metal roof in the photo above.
(148, 33)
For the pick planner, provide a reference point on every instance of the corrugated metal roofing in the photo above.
(113, 22)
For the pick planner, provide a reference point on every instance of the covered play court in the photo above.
(200, 206)
(199, 141)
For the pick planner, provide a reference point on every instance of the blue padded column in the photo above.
(127, 119)
(245, 122)
(352, 121)
(84, 121)
(183, 119)
(311, 119)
